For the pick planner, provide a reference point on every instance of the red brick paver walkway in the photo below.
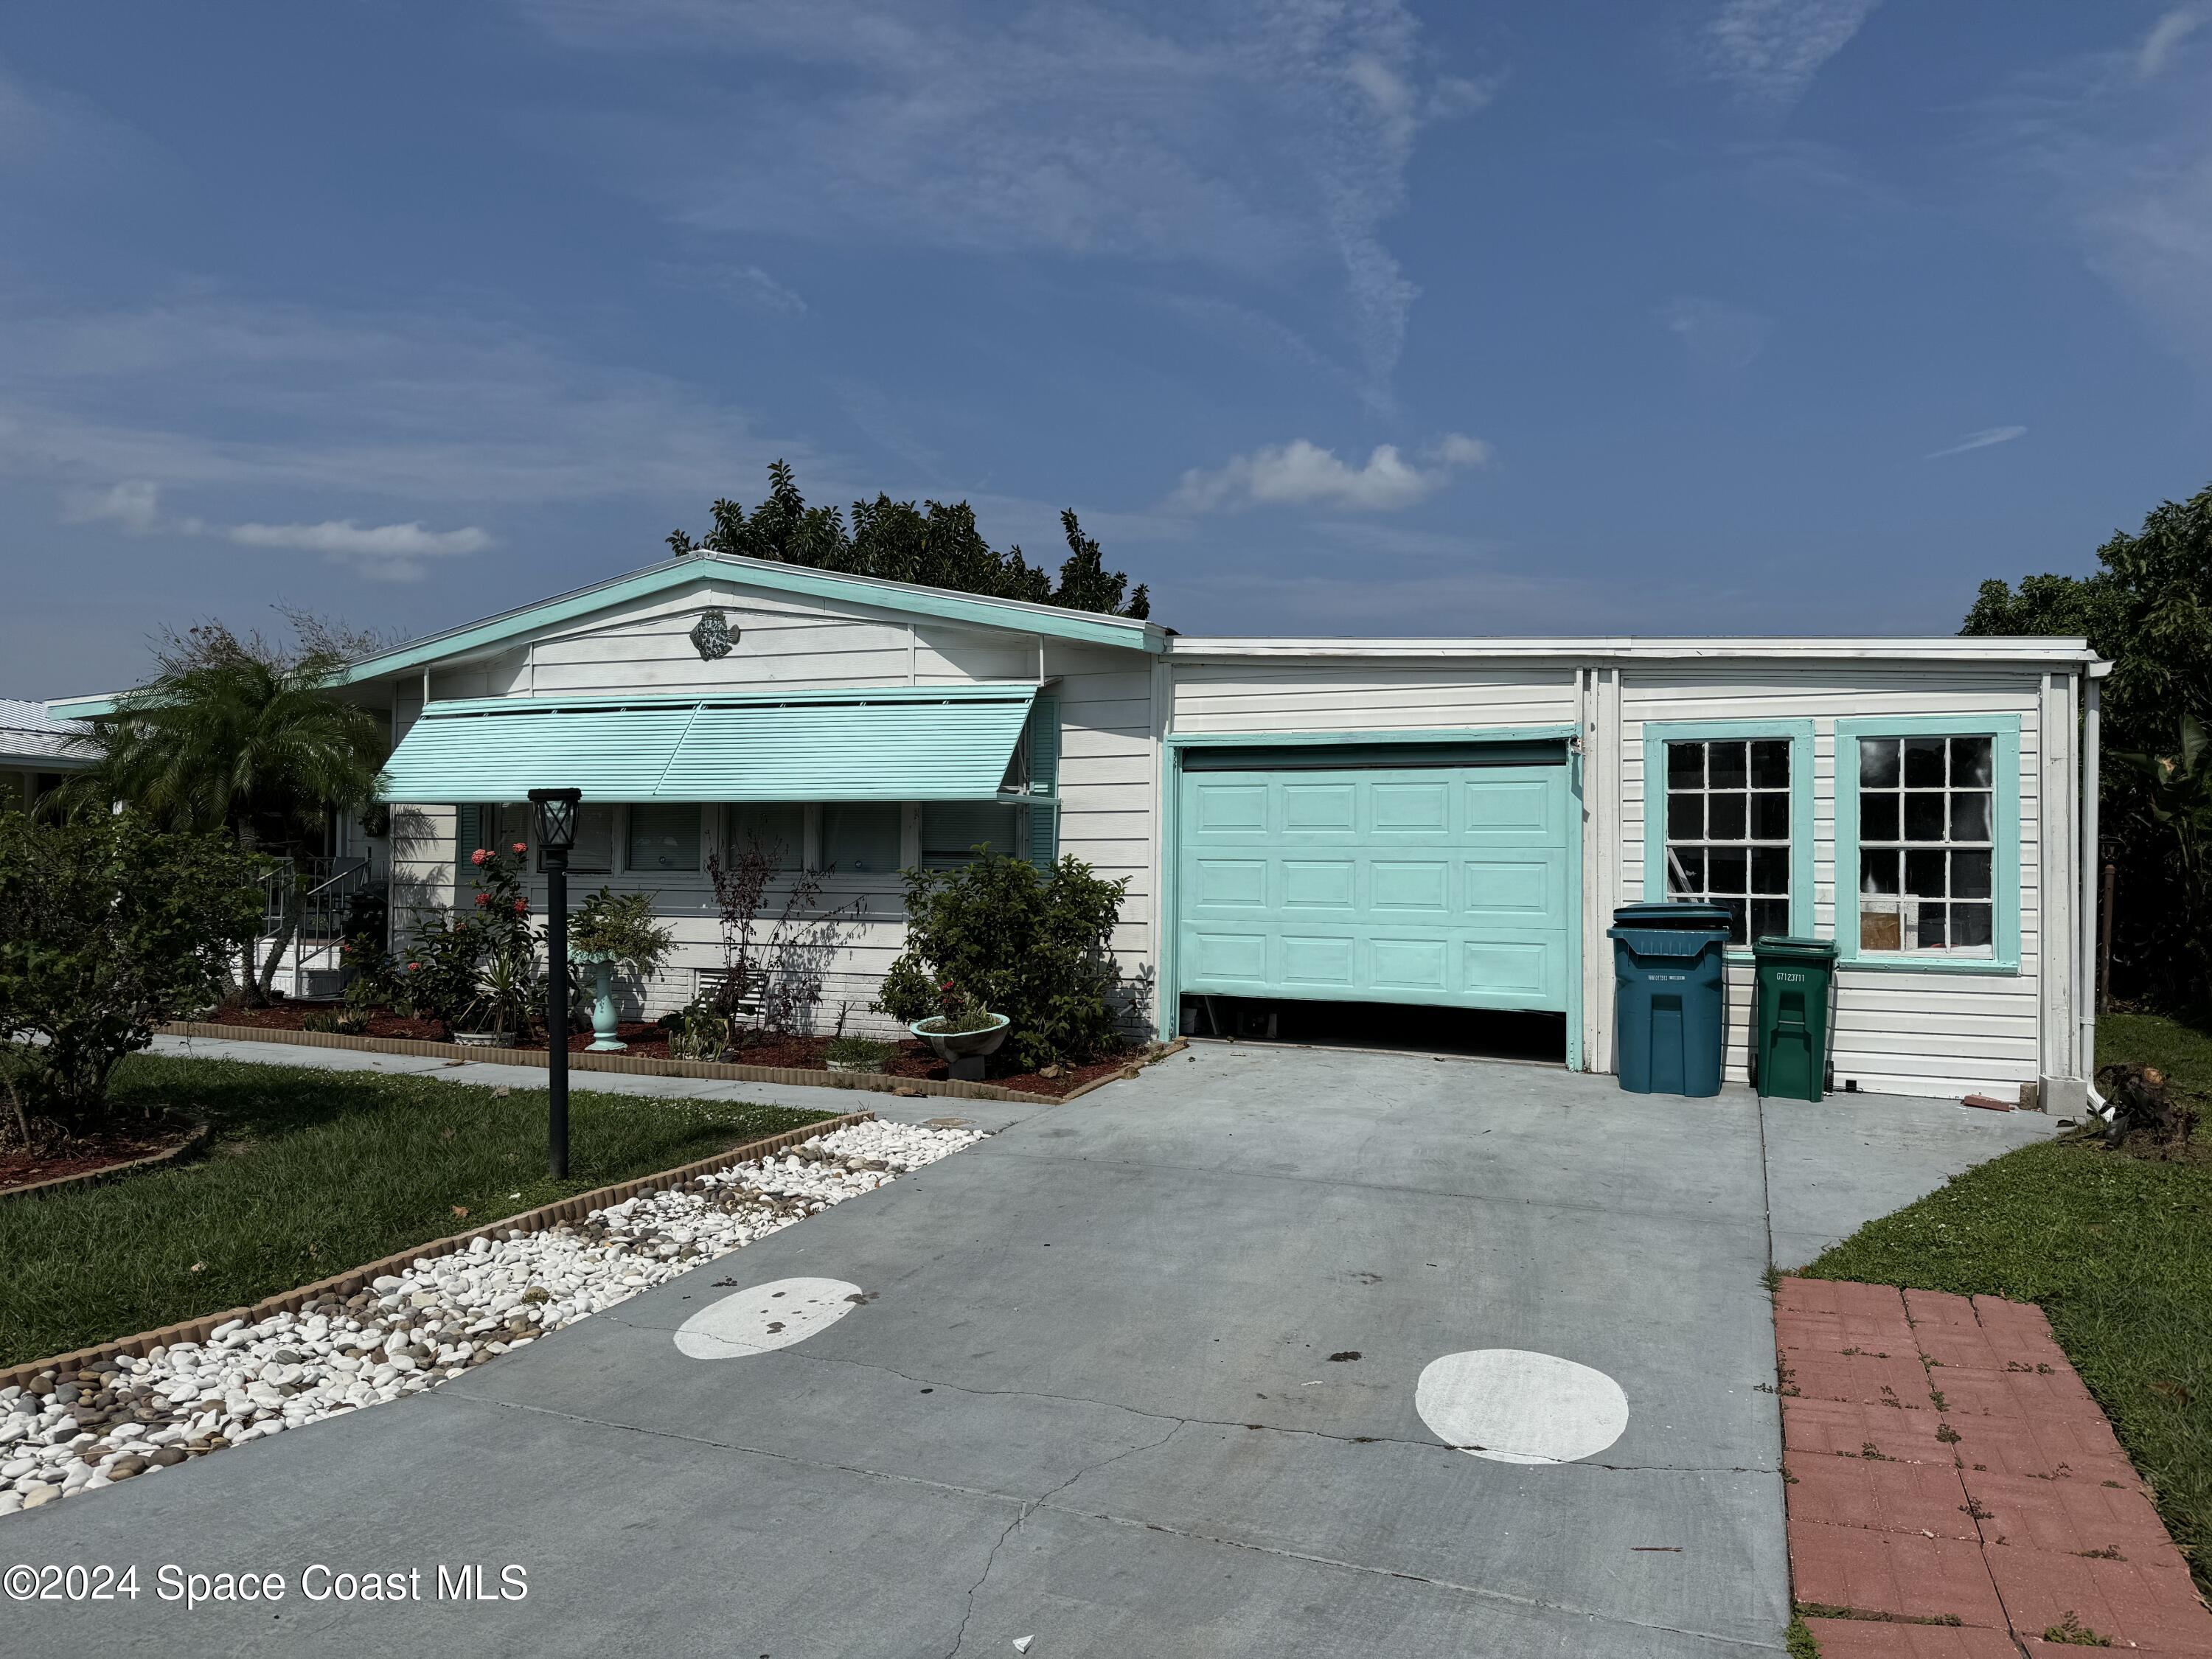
(1954, 1491)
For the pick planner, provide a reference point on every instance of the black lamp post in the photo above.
(556, 812)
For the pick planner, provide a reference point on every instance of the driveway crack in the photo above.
(1533, 1602)
(1044, 1501)
(1181, 1421)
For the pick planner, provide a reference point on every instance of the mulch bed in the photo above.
(1954, 1488)
(649, 1041)
(85, 1154)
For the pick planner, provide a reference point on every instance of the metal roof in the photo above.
(28, 733)
(494, 634)
(919, 743)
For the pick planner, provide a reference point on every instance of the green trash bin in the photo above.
(1795, 984)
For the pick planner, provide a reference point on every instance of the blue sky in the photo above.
(1746, 315)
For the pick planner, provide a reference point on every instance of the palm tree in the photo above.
(237, 735)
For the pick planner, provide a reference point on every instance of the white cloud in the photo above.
(1300, 473)
(1239, 135)
(1982, 439)
(2169, 32)
(135, 505)
(2110, 151)
(1771, 50)
(1715, 334)
(746, 285)
(291, 411)
(387, 552)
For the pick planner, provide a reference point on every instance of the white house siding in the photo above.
(1108, 788)
(1897, 1031)
(643, 649)
(1275, 697)
(1928, 1033)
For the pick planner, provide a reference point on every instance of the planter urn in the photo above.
(603, 1023)
(964, 1051)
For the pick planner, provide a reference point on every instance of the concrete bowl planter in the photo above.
(964, 1051)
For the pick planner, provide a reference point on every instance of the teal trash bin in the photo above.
(1670, 997)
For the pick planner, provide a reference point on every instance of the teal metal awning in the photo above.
(902, 743)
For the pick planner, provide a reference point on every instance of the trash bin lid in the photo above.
(1678, 913)
(1779, 944)
(1670, 941)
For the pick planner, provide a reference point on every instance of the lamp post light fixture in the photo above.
(555, 811)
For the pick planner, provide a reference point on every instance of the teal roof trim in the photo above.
(1017, 615)
(920, 743)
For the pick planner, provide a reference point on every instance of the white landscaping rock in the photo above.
(414, 1330)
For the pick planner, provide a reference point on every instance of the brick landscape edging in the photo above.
(585, 1061)
(345, 1284)
(184, 1149)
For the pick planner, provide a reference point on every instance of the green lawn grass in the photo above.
(2118, 1251)
(313, 1172)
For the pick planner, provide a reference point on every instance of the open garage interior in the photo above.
(1484, 1033)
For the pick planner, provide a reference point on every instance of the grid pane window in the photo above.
(861, 837)
(1727, 830)
(664, 837)
(1927, 852)
(777, 828)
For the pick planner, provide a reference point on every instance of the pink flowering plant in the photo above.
(478, 968)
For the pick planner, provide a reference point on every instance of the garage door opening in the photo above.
(1483, 1033)
(1408, 895)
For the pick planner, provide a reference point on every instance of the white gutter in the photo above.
(2092, 686)
(2051, 651)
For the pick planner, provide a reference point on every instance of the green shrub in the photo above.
(622, 927)
(862, 1053)
(107, 927)
(1036, 948)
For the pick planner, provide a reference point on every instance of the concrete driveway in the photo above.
(1093, 1401)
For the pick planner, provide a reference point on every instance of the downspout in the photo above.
(2085, 998)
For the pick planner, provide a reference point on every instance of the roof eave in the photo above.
(1013, 614)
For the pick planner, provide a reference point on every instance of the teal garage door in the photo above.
(1442, 884)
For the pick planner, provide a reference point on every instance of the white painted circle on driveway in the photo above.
(766, 1317)
(1513, 1406)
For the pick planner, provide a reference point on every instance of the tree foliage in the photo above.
(236, 735)
(108, 927)
(2148, 607)
(933, 545)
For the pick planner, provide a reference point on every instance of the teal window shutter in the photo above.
(1044, 783)
(468, 835)
(1044, 835)
(1044, 747)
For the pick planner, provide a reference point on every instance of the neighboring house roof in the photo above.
(29, 736)
(1019, 615)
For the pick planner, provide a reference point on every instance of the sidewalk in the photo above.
(1954, 1491)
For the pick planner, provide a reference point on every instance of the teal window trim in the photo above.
(2004, 873)
(1168, 1001)
(1181, 740)
(1658, 734)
